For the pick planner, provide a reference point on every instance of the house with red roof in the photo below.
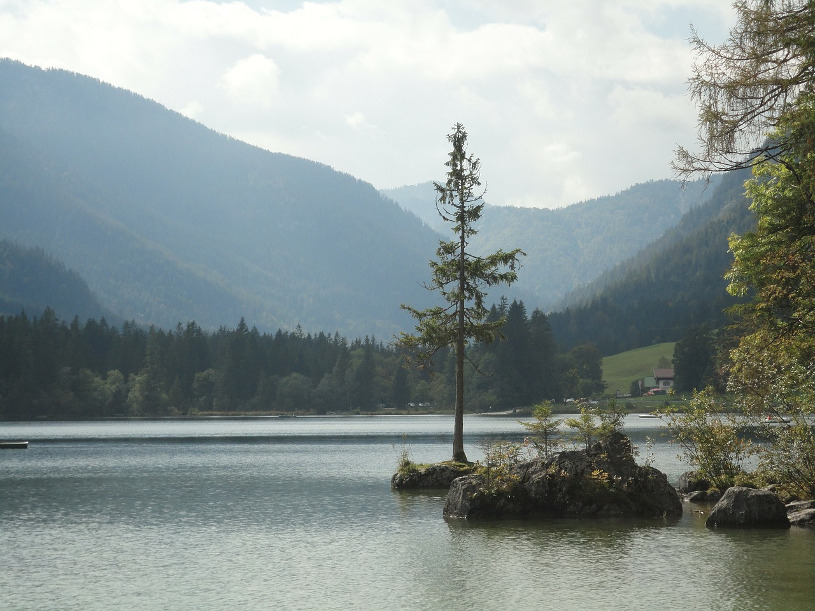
(664, 379)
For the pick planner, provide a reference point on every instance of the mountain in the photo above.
(167, 220)
(671, 285)
(31, 280)
(568, 247)
(170, 221)
(419, 200)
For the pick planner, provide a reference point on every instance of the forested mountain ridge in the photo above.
(570, 246)
(31, 281)
(45, 206)
(168, 220)
(668, 287)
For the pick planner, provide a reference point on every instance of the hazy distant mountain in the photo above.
(673, 284)
(420, 200)
(571, 246)
(169, 221)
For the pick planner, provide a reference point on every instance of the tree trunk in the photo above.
(458, 425)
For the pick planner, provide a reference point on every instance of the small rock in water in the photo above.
(436, 476)
(742, 507)
(801, 513)
(689, 481)
(697, 496)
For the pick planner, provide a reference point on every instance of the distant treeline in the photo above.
(50, 368)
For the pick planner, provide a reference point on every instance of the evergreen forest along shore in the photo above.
(56, 369)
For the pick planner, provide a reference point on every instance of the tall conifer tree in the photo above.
(459, 275)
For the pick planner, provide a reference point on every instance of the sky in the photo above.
(562, 101)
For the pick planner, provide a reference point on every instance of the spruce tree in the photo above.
(458, 275)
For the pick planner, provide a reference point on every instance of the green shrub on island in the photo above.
(711, 439)
(544, 438)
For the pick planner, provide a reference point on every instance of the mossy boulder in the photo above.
(428, 477)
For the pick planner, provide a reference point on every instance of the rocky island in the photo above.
(603, 481)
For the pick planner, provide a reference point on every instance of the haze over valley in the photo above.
(168, 221)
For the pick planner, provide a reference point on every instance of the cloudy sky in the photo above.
(563, 101)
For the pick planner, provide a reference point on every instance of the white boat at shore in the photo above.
(775, 419)
(648, 416)
(13, 445)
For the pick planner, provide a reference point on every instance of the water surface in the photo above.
(298, 513)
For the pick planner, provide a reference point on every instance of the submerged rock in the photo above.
(697, 496)
(801, 513)
(435, 476)
(603, 482)
(742, 507)
(690, 481)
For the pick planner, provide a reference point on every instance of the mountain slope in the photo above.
(30, 280)
(43, 205)
(671, 285)
(569, 246)
(168, 220)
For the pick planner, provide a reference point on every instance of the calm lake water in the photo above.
(272, 513)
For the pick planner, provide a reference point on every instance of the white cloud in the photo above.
(563, 101)
(650, 110)
(359, 123)
(251, 81)
(192, 110)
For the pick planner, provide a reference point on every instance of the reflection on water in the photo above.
(298, 513)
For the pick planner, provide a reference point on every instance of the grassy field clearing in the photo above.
(621, 369)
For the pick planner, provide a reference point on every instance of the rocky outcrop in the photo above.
(689, 482)
(435, 476)
(696, 489)
(603, 482)
(710, 496)
(742, 507)
(697, 496)
(801, 513)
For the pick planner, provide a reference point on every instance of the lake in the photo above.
(275, 513)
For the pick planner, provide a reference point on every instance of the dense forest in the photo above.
(50, 368)
(32, 280)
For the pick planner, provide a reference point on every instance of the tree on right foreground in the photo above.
(757, 109)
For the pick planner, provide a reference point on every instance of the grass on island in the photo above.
(621, 369)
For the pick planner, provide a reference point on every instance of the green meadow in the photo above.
(621, 369)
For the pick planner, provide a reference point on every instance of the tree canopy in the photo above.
(694, 360)
(756, 108)
(50, 368)
(747, 85)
